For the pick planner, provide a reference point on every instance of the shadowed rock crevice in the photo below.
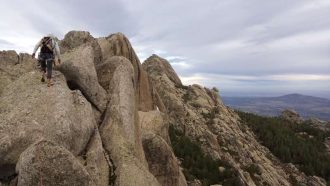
(112, 167)
(72, 85)
(84, 151)
(7, 172)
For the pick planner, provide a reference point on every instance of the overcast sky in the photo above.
(243, 47)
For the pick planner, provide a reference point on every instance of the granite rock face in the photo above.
(31, 111)
(105, 121)
(45, 163)
(78, 67)
(162, 161)
(121, 132)
(74, 39)
(106, 70)
(291, 115)
(160, 65)
(13, 65)
(118, 45)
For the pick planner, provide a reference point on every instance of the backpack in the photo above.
(47, 45)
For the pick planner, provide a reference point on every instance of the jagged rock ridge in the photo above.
(106, 119)
(201, 115)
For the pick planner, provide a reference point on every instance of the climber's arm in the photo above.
(36, 48)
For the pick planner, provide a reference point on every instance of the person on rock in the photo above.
(48, 51)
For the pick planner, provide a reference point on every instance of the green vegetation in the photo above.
(299, 144)
(198, 165)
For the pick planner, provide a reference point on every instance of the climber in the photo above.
(49, 49)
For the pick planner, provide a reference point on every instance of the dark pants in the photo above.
(46, 61)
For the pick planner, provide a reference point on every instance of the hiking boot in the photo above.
(50, 83)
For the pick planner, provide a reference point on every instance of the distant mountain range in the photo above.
(306, 106)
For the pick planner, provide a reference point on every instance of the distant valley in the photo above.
(306, 106)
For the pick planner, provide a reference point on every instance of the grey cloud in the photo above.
(228, 37)
(176, 60)
(99, 17)
(256, 24)
(5, 42)
(102, 17)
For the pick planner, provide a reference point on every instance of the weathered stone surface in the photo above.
(315, 181)
(13, 65)
(319, 124)
(95, 161)
(158, 101)
(106, 70)
(9, 57)
(168, 87)
(45, 163)
(146, 101)
(159, 65)
(74, 39)
(195, 183)
(121, 133)
(199, 96)
(162, 162)
(154, 122)
(78, 67)
(29, 111)
(118, 45)
(292, 116)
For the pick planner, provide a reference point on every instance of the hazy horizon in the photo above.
(244, 48)
(235, 95)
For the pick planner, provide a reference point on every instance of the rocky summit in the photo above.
(110, 120)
